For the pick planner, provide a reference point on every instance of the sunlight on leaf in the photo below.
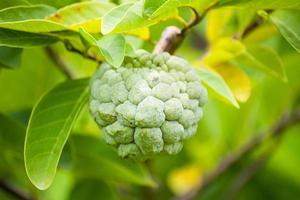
(236, 79)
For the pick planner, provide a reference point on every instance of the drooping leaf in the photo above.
(259, 4)
(98, 160)
(112, 48)
(12, 38)
(236, 79)
(50, 124)
(288, 23)
(86, 15)
(265, 59)
(217, 84)
(10, 57)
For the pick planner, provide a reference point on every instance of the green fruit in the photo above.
(147, 106)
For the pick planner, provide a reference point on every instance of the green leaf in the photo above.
(153, 8)
(10, 57)
(98, 160)
(288, 23)
(85, 14)
(129, 17)
(50, 124)
(259, 4)
(10, 3)
(54, 3)
(22, 39)
(20, 13)
(218, 85)
(29, 19)
(112, 48)
(264, 59)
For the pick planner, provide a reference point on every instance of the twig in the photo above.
(71, 48)
(14, 191)
(247, 174)
(172, 37)
(61, 65)
(285, 122)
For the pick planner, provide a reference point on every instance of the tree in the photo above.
(245, 53)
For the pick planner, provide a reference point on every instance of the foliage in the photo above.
(246, 52)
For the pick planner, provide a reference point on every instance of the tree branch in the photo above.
(61, 65)
(276, 130)
(71, 48)
(172, 37)
(14, 191)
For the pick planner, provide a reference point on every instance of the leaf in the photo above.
(224, 50)
(217, 24)
(98, 160)
(54, 3)
(10, 3)
(153, 8)
(29, 19)
(112, 48)
(129, 17)
(236, 79)
(22, 39)
(85, 15)
(265, 59)
(288, 23)
(49, 126)
(218, 85)
(259, 4)
(10, 57)
(20, 13)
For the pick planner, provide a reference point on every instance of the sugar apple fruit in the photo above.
(148, 105)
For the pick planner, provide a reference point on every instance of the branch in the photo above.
(71, 48)
(172, 37)
(61, 65)
(278, 129)
(14, 191)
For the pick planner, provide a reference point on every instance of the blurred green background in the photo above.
(89, 169)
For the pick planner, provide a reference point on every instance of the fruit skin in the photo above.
(147, 106)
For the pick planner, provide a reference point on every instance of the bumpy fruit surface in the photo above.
(147, 106)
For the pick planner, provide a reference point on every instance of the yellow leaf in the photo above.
(143, 33)
(184, 179)
(223, 50)
(216, 23)
(236, 79)
(91, 26)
